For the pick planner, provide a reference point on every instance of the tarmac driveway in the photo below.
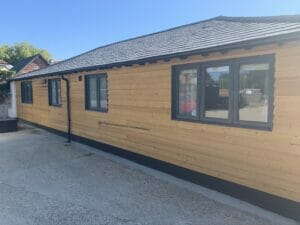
(43, 181)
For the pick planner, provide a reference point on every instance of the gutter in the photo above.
(68, 107)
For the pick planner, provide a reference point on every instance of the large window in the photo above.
(54, 92)
(237, 92)
(26, 92)
(96, 92)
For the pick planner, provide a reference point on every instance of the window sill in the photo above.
(244, 124)
(97, 110)
(57, 106)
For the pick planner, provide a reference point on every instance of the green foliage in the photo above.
(4, 85)
(4, 90)
(13, 54)
(19, 51)
(5, 76)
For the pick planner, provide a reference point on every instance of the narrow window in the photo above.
(54, 92)
(254, 91)
(103, 93)
(187, 97)
(92, 93)
(26, 92)
(96, 92)
(217, 92)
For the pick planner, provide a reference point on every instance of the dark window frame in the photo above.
(270, 59)
(234, 67)
(203, 75)
(26, 95)
(175, 91)
(58, 93)
(87, 92)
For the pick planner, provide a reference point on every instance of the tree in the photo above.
(14, 53)
(4, 85)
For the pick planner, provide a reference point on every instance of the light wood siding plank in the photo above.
(139, 119)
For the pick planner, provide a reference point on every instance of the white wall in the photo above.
(12, 110)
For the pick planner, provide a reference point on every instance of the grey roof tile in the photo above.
(216, 32)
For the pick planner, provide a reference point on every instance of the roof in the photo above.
(24, 62)
(200, 37)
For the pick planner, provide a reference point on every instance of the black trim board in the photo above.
(9, 125)
(282, 206)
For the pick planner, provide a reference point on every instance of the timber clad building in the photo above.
(216, 102)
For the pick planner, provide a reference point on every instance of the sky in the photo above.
(67, 28)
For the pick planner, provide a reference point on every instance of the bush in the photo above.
(4, 84)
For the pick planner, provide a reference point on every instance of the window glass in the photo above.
(188, 93)
(58, 92)
(103, 93)
(217, 92)
(53, 92)
(253, 92)
(96, 92)
(26, 92)
(54, 88)
(92, 92)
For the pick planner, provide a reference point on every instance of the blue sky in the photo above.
(70, 27)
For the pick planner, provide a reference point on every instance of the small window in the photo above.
(96, 92)
(235, 92)
(54, 92)
(26, 92)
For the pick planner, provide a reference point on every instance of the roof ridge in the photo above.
(27, 58)
(295, 18)
(18, 66)
(191, 37)
(224, 18)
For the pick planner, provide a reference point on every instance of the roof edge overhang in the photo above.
(280, 39)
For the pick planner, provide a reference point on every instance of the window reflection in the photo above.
(188, 93)
(92, 92)
(26, 92)
(103, 93)
(217, 92)
(54, 91)
(253, 92)
(96, 92)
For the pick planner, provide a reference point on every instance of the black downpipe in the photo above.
(68, 106)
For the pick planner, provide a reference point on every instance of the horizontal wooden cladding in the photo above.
(288, 86)
(248, 163)
(139, 119)
(39, 111)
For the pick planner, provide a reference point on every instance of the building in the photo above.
(29, 64)
(4, 66)
(215, 102)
